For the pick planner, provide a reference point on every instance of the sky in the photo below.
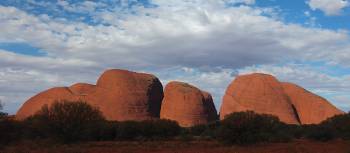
(207, 43)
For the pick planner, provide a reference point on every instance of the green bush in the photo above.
(77, 121)
(318, 132)
(160, 128)
(204, 131)
(198, 130)
(335, 127)
(249, 127)
(2, 114)
(146, 130)
(66, 121)
(128, 130)
(338, 125)
(10, 131)
(108, 131)
(295, 131)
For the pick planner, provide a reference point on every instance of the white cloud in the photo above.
(329, 7)
(80, 7)
(342, 101)
(192, 35)
(249, 2)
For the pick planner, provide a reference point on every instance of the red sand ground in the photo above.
(299, 146)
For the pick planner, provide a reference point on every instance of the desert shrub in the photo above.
(197, 130)
(318, 132)
(185, 135)
(128, 130)
(339, 125)
(204, 131)
(10, 131)
(335, 127)
(2, 114)
(108, 131)
(160, 128)
(66, 121)
(146, 130)
(249, 127)
(294, 131)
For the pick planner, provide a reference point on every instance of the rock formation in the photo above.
(311, 108)
(124, 95)
(119, 94)
(263, 93)
(187, 105)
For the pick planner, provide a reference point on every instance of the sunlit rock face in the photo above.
(187, 105)
(264, 94)
(311, 108)
(119, 94)
(261, 93)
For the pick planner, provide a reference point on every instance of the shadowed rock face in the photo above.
(187, 105)
(119, 94)
(263, 93)
(311, 108)
(209, 104)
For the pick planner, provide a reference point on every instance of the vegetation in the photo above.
(8, 128)
(338, 125)
(2, 114)
(69, 122)
(146, 130)
(335, 127)
(249, 127)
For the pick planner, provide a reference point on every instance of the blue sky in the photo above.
(294, 12)
(203, 42)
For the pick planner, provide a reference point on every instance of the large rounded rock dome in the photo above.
(257, 92)
(264, 94)
(187, 105)
(119, 94)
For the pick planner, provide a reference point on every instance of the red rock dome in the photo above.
(263, 93)
(187, 105)
(47, 97)
(257, 92)
(119, 94)
(129, 95)
(311, 108)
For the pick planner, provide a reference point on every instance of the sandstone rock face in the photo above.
(47, 97)
(311, 108)
(261, 93)
(119, 94)
(187, 105)
(129, 95)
